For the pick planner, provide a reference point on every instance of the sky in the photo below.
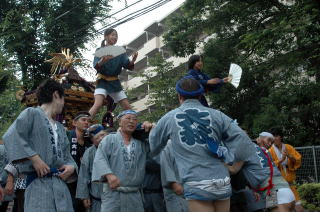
(130, 30)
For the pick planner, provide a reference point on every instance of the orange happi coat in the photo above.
(290, 170)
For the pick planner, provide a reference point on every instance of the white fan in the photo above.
(235, 72)
(110, 50)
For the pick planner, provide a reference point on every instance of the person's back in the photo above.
(191, 122)
(203, 140)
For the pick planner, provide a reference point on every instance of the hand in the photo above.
(113, 181)
(67, 171)
(134, 57)
(213, 81)
(9, 189)
(291, 157)
(41, 167)
(284, 155)
(105, 59)
(86, 203)
(177, 188)
(147, 126)
(227, 79)
(257, 196)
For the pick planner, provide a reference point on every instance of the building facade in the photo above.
(148, 44)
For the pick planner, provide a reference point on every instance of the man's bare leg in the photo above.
(199, 205)
(221, 205)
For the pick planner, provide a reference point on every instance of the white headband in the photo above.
(266, 134)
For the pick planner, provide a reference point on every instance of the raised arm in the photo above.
(160, 135)
(236, 139)
(294, 158)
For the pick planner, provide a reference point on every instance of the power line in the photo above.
(65, 13)
(108, 16)
(152, 6)
(135, 14)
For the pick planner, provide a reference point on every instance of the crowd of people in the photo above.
(194, 158)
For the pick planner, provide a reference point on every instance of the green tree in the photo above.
(30, 30)
(9, 106)
(161, 81)
(278, 47)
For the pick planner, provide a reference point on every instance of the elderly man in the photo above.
(288, 160)
(264, 179)
(120, 162)
(201, 137)
(40, 147)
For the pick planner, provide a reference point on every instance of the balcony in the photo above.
(155, 28)
(141, 104)
(137, 81)
(148, 48)
(177, 61)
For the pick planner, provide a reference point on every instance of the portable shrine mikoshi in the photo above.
(78, 92)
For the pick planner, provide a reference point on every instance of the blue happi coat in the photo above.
(111, 68)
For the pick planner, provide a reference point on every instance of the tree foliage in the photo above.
(9, 84)
(278, 47)
(30, 30)
(161, 81)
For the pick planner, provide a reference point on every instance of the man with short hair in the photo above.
(120, 161)
(288, 160)
(78, 145)
(203, 140)
(40, 147)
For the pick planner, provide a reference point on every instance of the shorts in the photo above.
(116, 96)
(285, 195)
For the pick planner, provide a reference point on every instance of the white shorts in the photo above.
(116, 96)
(285, 195)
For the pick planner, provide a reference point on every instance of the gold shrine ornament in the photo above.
(62, 60)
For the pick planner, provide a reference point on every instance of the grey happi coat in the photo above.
(169, 174)
(112, 157)
(32, 134)
(86, 189)
(191, 128)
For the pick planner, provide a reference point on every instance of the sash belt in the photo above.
(107, 78)
(54, 172)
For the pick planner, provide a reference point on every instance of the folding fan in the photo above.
(109, 50)
(235, 72)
